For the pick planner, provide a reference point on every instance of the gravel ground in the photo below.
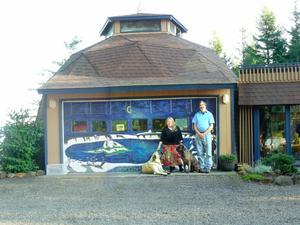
(113, 198)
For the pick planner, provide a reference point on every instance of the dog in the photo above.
(154, 166)
(189, 160)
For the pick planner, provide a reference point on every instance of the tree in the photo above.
(71, 47)
(250, 55)
(22, 145)
(217, 45)
(294, 47)
(269, 43)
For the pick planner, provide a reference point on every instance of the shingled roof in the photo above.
(141, 60)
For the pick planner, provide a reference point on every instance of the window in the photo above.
(139, 124)
(140, 26)
(182, 123)
(80, 108)
(140, 106)
(99, 126)
(119, 125)
(120, 107)
(173, 28)
(79, 126)
(295, 130)
(181, 106)
(99, 108)
(272, 129)
(158, 124)
(161, 106)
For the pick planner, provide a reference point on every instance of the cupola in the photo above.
(142, 23)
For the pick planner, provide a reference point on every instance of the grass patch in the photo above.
(253, 177)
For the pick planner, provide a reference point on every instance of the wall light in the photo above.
(52, 103)
(225, 99)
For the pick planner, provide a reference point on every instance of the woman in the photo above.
(170, 138)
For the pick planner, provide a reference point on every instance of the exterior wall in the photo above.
(117, 27)
(164, 26)
(53, 114)
(245, 150)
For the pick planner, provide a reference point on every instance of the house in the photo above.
(105, 107)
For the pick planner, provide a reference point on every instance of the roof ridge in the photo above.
(219, 67)
(147, 58)
(91, 65)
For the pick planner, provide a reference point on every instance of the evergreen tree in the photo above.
(269, 43)
(216, 44)
(294, 47)
(251, 56)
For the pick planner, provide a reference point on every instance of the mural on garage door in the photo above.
(101, 136)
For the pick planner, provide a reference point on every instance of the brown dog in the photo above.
(188, 159)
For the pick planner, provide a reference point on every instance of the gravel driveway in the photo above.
(113, 198)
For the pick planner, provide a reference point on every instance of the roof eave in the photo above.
(106, 27)
(120, 89)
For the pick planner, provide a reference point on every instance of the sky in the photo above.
(33, 33)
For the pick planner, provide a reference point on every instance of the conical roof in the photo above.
(141, 60)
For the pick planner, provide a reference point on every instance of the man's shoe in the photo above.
(207, 170)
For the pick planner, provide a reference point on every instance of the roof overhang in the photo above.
(123, 89)
(275, 93)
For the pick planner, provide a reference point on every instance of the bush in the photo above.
(227, 158)
(22, 144)
(280, 163)
(261, 168)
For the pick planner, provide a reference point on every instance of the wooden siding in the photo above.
(245, 151)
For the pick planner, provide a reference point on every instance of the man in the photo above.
(203, 123)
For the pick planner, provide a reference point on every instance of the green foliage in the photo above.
(270, 43)
(22, 145)
(71, 47)
(251, 56)
(253, 177)
(280, 163)
(216, 44)
(227, 158)
(260, 168)
(294, 47)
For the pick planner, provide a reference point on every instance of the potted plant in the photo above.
(227, 162)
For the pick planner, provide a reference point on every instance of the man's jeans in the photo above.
(204, 151)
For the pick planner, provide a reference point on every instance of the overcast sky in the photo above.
(33, 32)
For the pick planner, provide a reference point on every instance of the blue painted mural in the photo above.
(102, 135)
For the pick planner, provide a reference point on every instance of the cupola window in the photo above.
(140, 26)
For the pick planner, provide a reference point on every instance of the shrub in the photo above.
(280, 163)
(22, 143)
(261, 168)
(227, 158)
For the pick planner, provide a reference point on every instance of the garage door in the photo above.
(101, 136)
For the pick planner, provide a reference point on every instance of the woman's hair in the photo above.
(174, 127)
